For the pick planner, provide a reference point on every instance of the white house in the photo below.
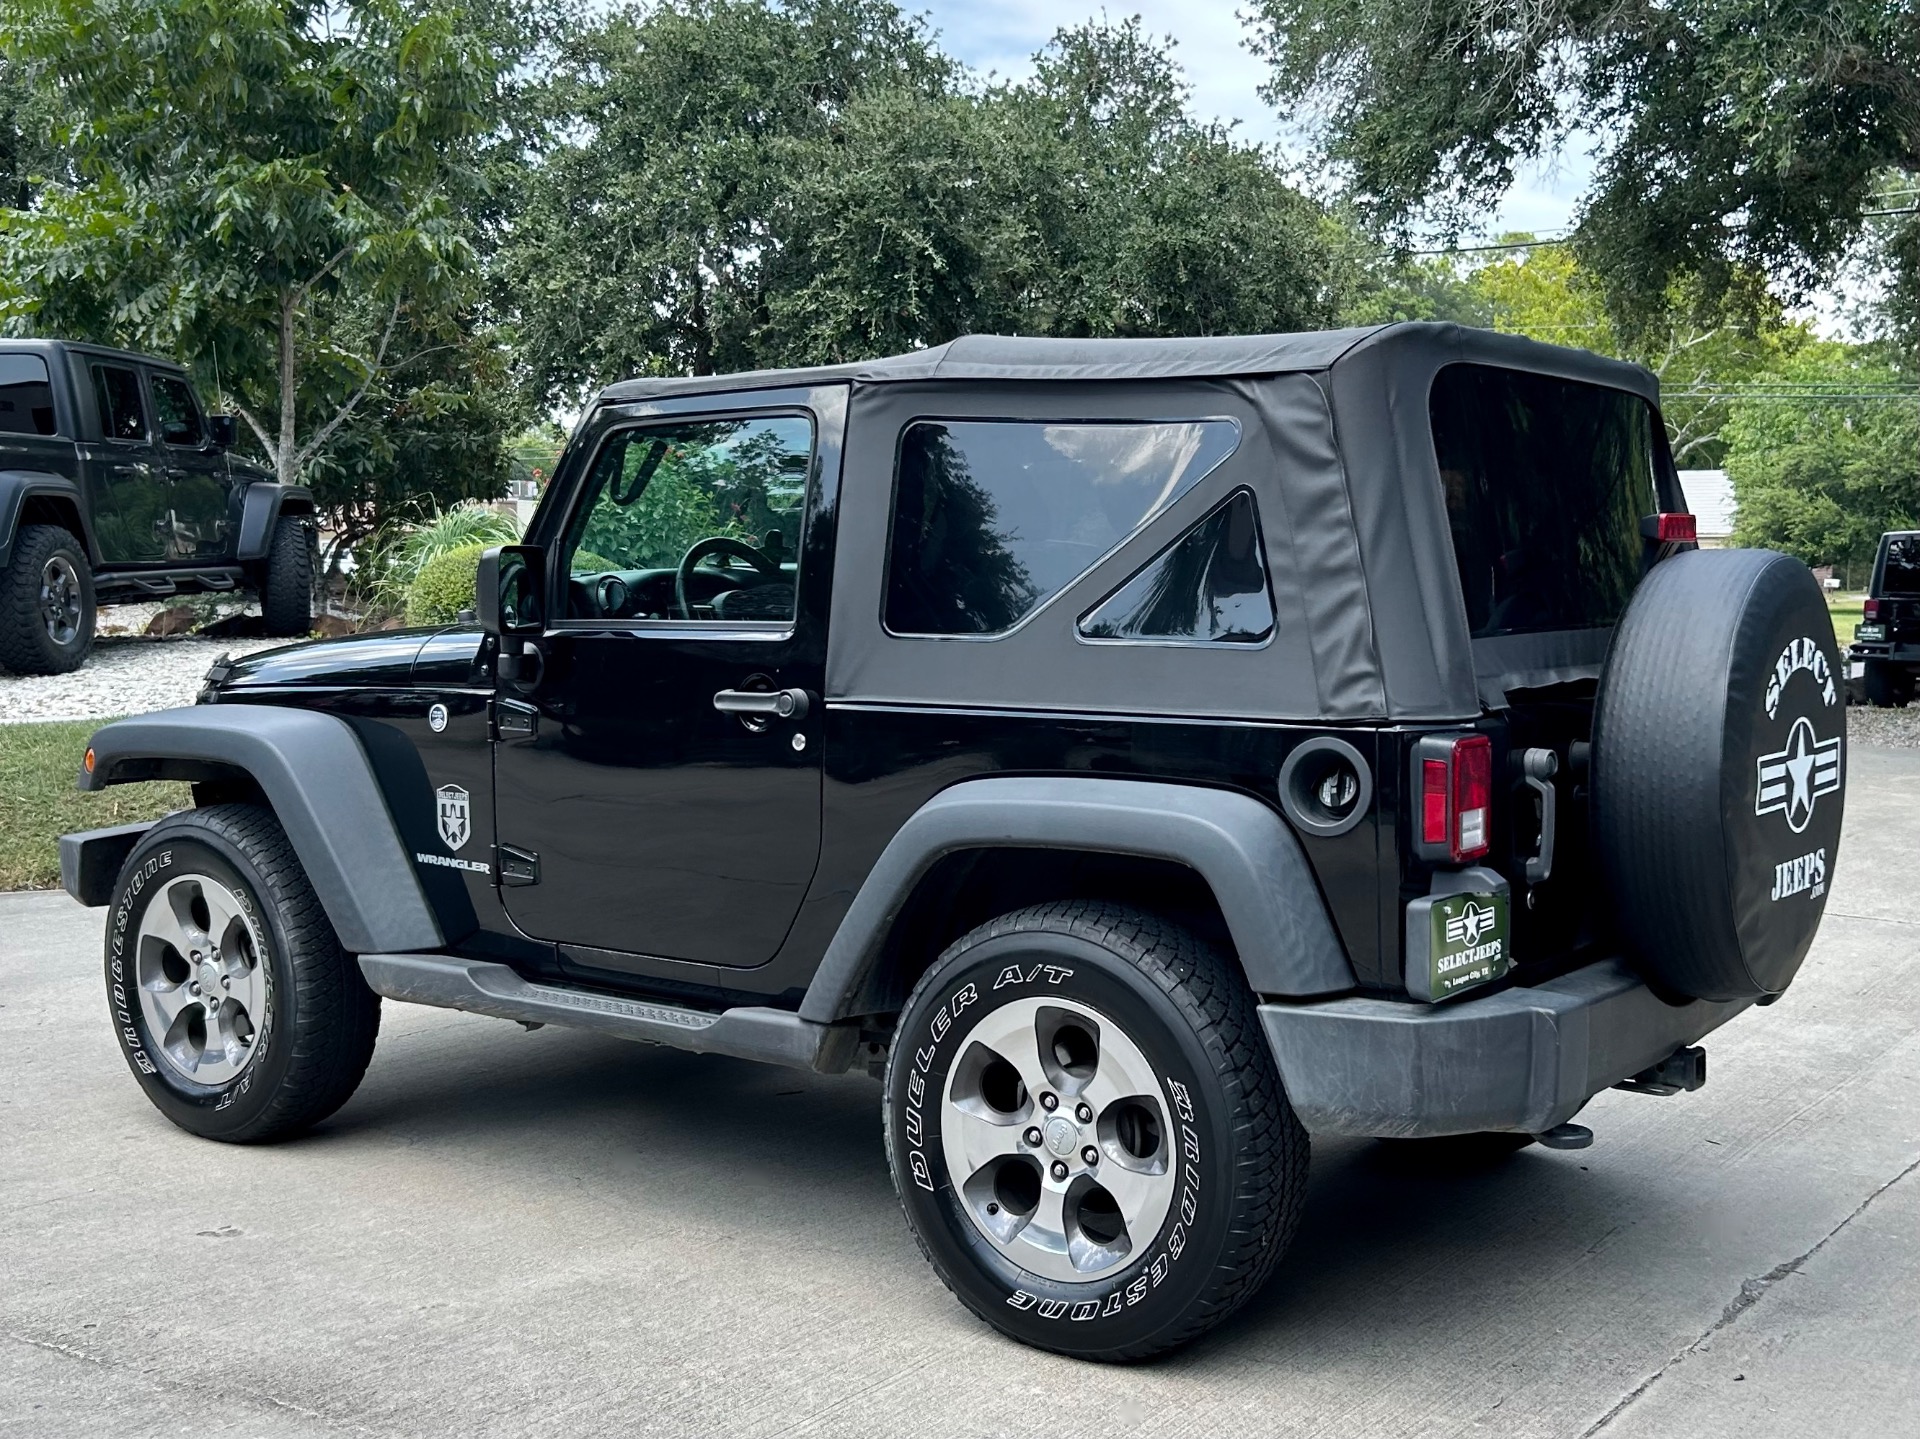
(1710, 497)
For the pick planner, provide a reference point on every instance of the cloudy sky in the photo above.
(1001, 35)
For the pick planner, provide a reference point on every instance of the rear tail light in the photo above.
(1454, 783)
(1678, 528)
(1871, 610)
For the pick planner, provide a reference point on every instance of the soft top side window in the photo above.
(992, 518)
(1208, 587)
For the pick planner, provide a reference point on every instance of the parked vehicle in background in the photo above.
(1141, 754)
(1887, 639)
(117, 485)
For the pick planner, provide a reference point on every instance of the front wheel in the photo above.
(1087, 1133)
(238, 1012)
(286, 588)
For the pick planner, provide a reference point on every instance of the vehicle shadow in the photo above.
(1397, 1243)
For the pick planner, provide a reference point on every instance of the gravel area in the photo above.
(1896, 729)
(128, 673)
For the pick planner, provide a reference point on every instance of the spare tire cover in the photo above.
(1719, 762)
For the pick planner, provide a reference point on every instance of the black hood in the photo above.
(387, 659)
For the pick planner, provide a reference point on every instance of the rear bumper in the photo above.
(1523, 1059)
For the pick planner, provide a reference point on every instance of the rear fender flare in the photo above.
(321, 786)
(1244, 851)
(19, 486)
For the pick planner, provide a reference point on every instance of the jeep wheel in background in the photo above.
(46, 603)
(238, 1011)
(1087, 1133)
(1888, 686)
(286, 587)
(1719, 751)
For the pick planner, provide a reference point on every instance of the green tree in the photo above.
(1821, 454)
(730, 185)
(1735, 136)
(280, 190)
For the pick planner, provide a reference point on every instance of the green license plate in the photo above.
(1468, 942)
(1870, 632)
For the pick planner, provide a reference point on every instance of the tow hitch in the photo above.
(1684, 1069)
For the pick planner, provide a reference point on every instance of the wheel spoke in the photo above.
(1134, 1192)
(981, 1140)
(167, 998)
(1047, 1229)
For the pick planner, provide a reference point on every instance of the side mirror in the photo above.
(223, 430)
(508, 587)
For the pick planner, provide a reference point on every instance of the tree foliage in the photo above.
(1821, 455)
(729, 185)
(278, 190)
(1735, 136)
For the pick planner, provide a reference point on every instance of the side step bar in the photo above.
(774, 1036)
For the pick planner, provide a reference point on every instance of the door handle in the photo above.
(765, 704)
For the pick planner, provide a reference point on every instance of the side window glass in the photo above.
(992, 518)
(174, 408)
(122, 416)
(26, 396)
(1207, 587)
(694, 521)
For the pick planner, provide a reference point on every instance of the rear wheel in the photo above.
(1087, 1132)
(46, 603)
(286, 590)
(239, 1014)
(1888, 686)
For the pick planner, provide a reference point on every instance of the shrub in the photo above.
(444, 586)
(397, 560)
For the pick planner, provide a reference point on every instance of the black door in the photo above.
(128, 489)
(198, 519)
(662, 819)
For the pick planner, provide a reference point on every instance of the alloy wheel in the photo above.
(203, 988)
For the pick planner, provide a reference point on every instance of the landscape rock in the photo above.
(177, 620)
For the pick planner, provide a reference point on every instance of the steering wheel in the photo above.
(720, 545)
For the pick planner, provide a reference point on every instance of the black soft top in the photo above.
(1039, 360)
(1336, 445)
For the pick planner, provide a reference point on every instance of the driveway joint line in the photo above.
(1751, 1292)
(74, 1351)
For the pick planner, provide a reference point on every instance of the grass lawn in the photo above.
(38, 803)
(1846, 614)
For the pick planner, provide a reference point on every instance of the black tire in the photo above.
(286, 586)
(1888, 686)
(28, 642)
(1235, 1153)
(1719, 754)
(311, 1044)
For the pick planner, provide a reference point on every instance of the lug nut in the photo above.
(225, 983)
(194, 988)
(1091, 1155)
(1033, 1137)
(1059, 1169)
(1049, 1102)
(1084, 1114)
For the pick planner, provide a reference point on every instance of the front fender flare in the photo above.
(264, 503)
(1243, 850)
(321, 786)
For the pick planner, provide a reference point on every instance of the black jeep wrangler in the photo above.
(1887, 639)
(116, 485)
(1139, 753)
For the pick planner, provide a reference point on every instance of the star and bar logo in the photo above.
(1793, 779)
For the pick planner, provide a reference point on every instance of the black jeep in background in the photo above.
(1887, 639)
(115, 486)
(1139, 753)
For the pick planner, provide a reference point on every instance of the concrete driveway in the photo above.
(556, 1234)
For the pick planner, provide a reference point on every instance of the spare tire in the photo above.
(1719, 757)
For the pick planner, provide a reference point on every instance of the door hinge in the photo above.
(516, 866)
(514, 720)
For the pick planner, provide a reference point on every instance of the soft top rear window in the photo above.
(1546, 482)
(1901, 574)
